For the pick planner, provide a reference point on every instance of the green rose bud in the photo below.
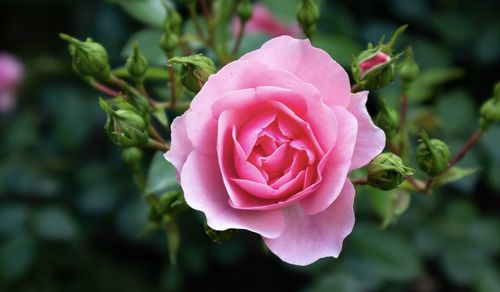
(195, 70)
(307, 16)
(433, 155)
(89, 58)
(168, 204)
(244, 10)
(133, 157)
(169, 41)
(387, 119)
(408, 69)
(490, 110)
(387, 171)
(374, 67)
(137, 65)
(124, 126)
(173, 20)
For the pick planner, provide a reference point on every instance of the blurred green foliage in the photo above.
(72, 220)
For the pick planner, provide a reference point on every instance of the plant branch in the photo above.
(157, 145)
(359, 181)
(103, 88)
(239, 37)
(474, 138)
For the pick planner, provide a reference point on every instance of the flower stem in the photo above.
(359, 181)
(355, 88)
(403, 112)
(157, 145)
(474, 138)
(103, 88)
(239, 37)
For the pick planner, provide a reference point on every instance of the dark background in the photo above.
(72, 220)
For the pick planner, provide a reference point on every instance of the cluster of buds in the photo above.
(490, 110)
(387, 171)
(307, 16)
(195, 70)
(375, 67)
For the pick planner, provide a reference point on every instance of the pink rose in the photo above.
(267, 144)
(11, 73)
(263, 21)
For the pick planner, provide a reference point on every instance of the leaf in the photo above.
(149, 12)
(55, 223)
(149, 44)
(424, 87)
(161, 176)
(390, 205)
(384, 254)
(16, 255)
(153, 73)
(161, 117)
(453, 174)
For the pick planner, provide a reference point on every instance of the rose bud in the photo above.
(195, 70)
(307, 16)
(169, 41)
(173, 20)
(374, 67)
(408, 69)
(169, 203)
(244, 10)
(490, 110)
(387, 171)
(433, 155)
(387, 119)
(137, 65)
(125, 127)
(133, 157)
(89, 58)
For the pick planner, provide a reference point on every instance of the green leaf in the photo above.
(425, 86)
(152, 73)
(16, 255)
(161, 116)
(161, 176)
(453, 174)
(149, 12)
(149, 42)
(384, 254)
(55, 223)
(390, 205)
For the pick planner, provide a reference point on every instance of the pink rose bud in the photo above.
(372, 62)
(262, 21)
(267, 145)
(11, 73)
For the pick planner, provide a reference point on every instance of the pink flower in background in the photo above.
(263, 21)
(11, 73)
(267, 144)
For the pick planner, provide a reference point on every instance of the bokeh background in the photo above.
(71, 218)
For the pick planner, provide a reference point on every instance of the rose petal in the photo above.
(307, 238)
(370, 140)
(204, 191)
(181, 146)
(335, 166)
(310, 64)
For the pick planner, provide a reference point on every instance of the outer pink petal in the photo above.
(370, 140)
(204, 190)
(307, 238)
(336, 166)
(181, 146)
(308, 63)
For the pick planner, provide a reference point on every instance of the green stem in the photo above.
(157, 145)
(239, 37)
(356, 87)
